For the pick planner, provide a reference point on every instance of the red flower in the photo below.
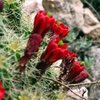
(32, 47)
(60, 29)
(42, 23)
(1, 5)
(81, 77)
(75, 70)
(72, 71)
(2, 91)
(55, 50)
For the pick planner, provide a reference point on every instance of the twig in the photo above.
(83, 84)
(64, 86)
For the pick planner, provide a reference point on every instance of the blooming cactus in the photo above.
(72, 71)
(60, 29)
(42, 23)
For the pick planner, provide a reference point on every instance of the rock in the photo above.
(91, 24)
(30, 6)
(72, 13)
(94, 93)
(95, 53)
(95, 33)
(57, 63)
(89, 17)
(83, 92)
(67, 11)
(87, 81)
(55, 67)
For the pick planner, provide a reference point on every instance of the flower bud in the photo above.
(32, 47)
(42, 23)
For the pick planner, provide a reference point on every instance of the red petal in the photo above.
(81, 77)
(2, 93)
